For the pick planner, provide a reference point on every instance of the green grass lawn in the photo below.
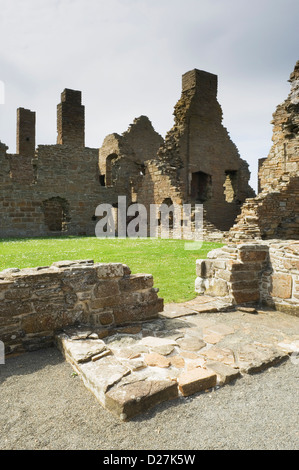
(172, 266)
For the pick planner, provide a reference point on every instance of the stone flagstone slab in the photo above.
(100, 376)
(251, 358)
(196, 380)
(157, 360)
(81, 350)
(131, 399)
(225, 373)
(177, 310)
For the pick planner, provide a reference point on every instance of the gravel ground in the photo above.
(43, 407)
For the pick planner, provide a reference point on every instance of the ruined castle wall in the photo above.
(283, 158)
(274, 213)
(65, 182)
(36, 303)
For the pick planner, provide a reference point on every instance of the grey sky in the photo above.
(127, 57)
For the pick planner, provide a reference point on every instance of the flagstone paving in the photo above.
(189, 348)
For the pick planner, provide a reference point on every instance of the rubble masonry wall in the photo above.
(259, 273)
(37, 302)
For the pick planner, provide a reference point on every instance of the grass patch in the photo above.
(172, 266)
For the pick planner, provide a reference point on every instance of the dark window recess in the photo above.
(168, 202)
(110, 160)
(102, 180)
(142, 170)
(201, 187)
(56, 213)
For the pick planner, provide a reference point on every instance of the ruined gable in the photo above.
(122, 158)
(198, 157)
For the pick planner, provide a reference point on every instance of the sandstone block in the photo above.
(12, 308)
(110, 270)
(253, 256)
(132, 313)
(133, 398)
(281, 286)
(106, 288)
(224, 372)
(103, 318)
(136, 282)
(217, 287)
(80, 351)
(246, 296)
(156, 360)
(252, 358)
(196, 380)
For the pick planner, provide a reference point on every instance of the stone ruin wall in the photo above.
(38, 302)
(265, 274)
(274, 213)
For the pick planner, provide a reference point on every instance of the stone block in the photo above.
(199, 285)
(18, 293)
(225, 373)
(177, 361)
(106, 288)
(217, 288)
(196, 380)
(99, 376)
(136, 282)
(253, 256)
(204, 268)
(245, 285)
(281, 285)
(11, 308)
(133, 313)
(109, 270)
(243, 297)
(102, 318)
(131, 399)
(80, 351)
(252, 358)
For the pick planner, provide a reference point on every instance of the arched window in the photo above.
(109, 165)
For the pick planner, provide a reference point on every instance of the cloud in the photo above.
(127, 58)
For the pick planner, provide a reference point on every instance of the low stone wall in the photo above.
(280, 282)
(265, 273)
(36, 303)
